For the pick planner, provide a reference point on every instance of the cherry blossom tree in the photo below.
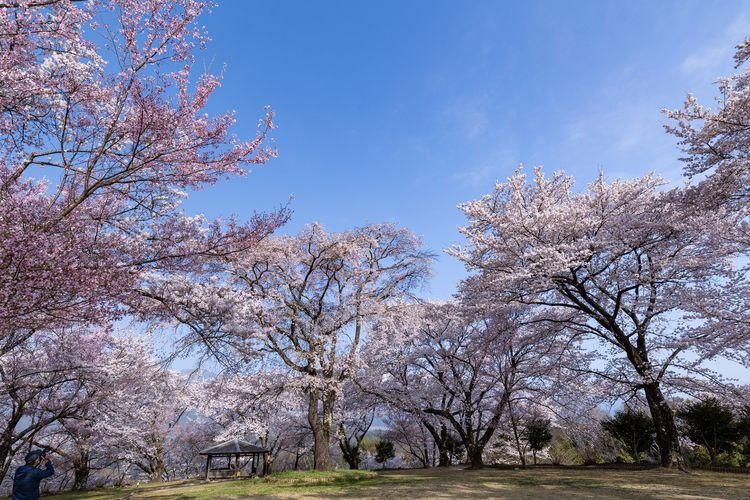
(103, 100)
(262, 405)
(77, 435)
(138, 417)
(716, 147)
(53, 377)
(414, 439)
(132, 127)
(622, 263)
(405, 395)
(459, 364)
(102, 129)
(717, 141)
(184, 443)
(356, 413)
(305, 300)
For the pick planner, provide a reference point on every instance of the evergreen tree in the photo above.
(634, 429)
(384, 452)
(710, 424)
(538, 434)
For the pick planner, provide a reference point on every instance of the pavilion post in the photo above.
(263, 467)
(208, 465)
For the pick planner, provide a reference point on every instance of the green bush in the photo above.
(562, 452)
(730, 459)
(624, 458)
(699, 456)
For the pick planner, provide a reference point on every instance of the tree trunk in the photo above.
(667, 437)
(321, 427)
(81, 472)
(348, 451)
(514, 425)
(441, 441)
(444, 458)
(7, 440)
(157, 467)
(351, 451)
(5, 462)
(475, 457)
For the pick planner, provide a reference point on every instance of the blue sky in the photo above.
(400, 110)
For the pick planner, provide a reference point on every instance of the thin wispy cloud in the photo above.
(495, 166)
(712, 59)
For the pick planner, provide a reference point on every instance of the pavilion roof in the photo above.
(233, 447)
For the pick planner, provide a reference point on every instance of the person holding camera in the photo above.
(27, 477)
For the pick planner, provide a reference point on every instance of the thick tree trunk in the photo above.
(320, 424)
(157, 476)
(81, 478)
(667, 437)
(157, 467)
(475, 457)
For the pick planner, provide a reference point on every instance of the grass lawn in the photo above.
(450, 483)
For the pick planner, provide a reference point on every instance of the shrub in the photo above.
(384, 452)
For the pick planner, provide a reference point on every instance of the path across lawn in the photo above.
(451, 483)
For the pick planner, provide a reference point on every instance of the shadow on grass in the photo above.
(455, 482)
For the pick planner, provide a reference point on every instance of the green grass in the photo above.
(449, 483)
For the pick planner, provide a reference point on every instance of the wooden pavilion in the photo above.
(229, 454)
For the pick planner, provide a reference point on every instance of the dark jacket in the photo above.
(26, 481)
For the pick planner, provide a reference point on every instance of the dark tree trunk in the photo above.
(321, 427)
(81, 472)
(444, 458)
(349, 449)
(7, 441)
(350, 453)
(441, 440)
(4, 461)
(514, 425)
(666, 431)
(475, 457)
